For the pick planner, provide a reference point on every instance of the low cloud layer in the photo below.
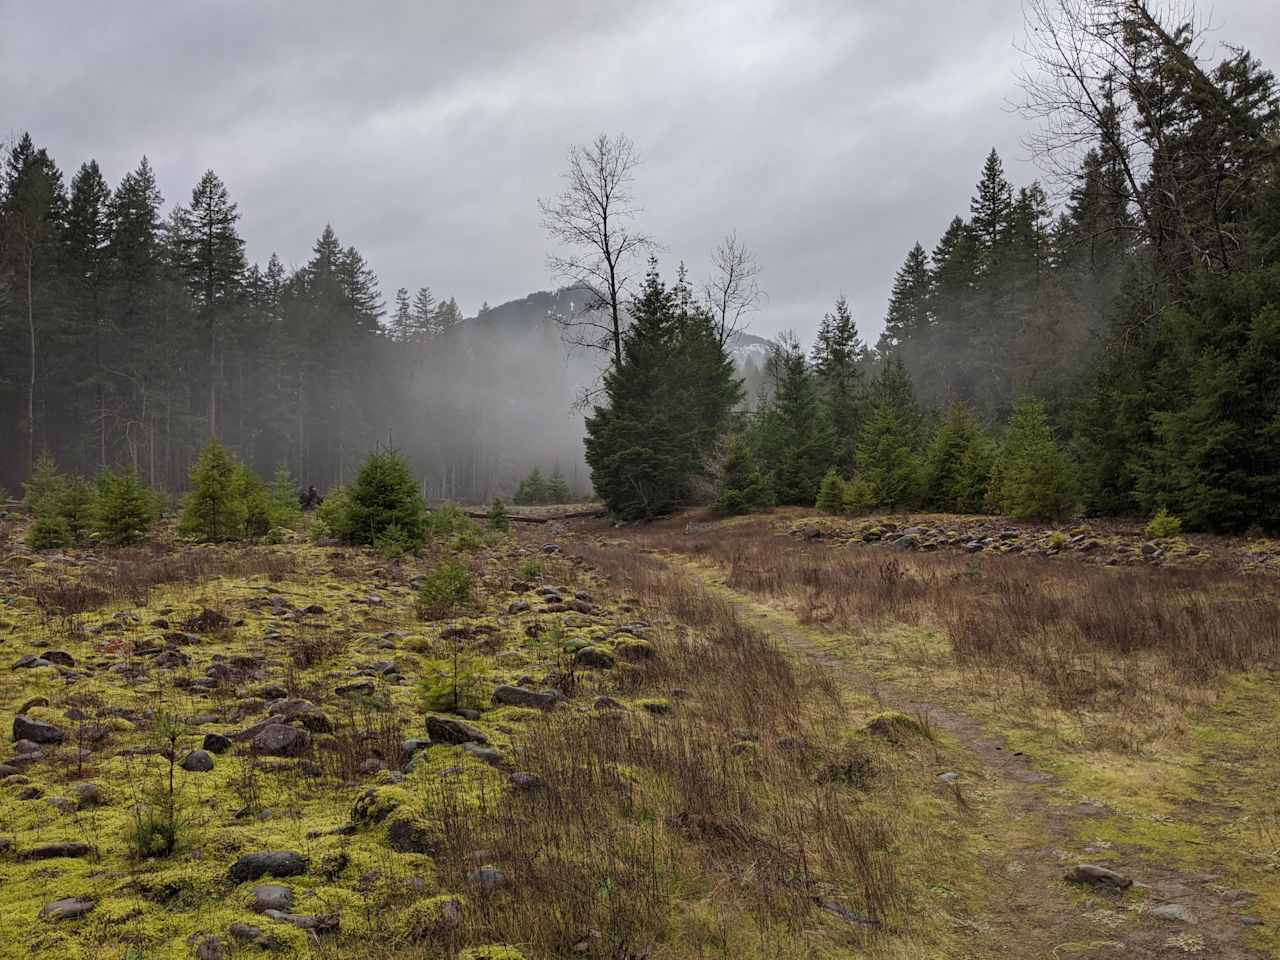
(831, 134)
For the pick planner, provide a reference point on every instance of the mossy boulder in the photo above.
(496, 951)
(896, 727)
(429, 918)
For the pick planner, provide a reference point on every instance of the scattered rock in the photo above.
(361, 688)
(844, 913)
(405, 835)
(594, 657)
(271, 896)
(304, 712)
(1172, 911)
(1093, 875)
(269, 863)
(30, 661)
(211, 948)
(281, 740)
(87, 794)
(483, 754)
(29, 728)
(518, 606)
(51, 851)
(215, 743)
(197, 761)
(527, 782)
(447, 730)
(321, 923)
(71, 908)
(521, 697)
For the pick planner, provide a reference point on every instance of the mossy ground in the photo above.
(664, 825)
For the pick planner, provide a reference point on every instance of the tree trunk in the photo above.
(31, 382)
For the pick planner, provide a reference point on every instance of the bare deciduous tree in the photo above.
(734, 290)
(594, 218)
(1116, 76)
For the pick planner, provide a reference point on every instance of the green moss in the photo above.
(895, 726)
(491, 952)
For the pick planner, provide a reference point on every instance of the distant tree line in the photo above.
(130, 335)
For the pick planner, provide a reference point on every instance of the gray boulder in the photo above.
(29, 728)
(281, 740)
(197, 761)
(447, 730)
(70, 908)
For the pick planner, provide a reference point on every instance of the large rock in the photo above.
(216, 743)
(29, 728)
(595, 657)
(271, 896)
(524, 697)
(52, 851)
(69, 909)
(448, 730)
(281, 740)
(303, 711)
(268, 863)
(197, 761)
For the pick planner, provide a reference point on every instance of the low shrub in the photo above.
(446, 588)
(124, 509)
(49, 533)
(498, 519)
(831, 493)
(1162, 525)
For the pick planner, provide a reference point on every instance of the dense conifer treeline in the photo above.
(1122, 356)
(129, 336)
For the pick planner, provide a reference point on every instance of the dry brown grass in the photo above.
(1082, 631)
(725, 784)
(127, 575)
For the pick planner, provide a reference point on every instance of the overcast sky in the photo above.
(831, 134)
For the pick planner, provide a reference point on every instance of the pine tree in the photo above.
(908, 317)
(557, 488)
(215, 509)
(837, 358)
(384, 495)
(33, 215)
(423, 315)
(888, 469)
(795, 438)
(992, 206)
(401, 329)
(123, 510)
(86, 253)
(957, 464)
(831, 493)
(212, 264)
(1032, 479)
(742, 486)
(666, 403)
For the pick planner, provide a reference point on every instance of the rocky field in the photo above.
(737, 739)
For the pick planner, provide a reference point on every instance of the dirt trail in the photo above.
(1033, 823)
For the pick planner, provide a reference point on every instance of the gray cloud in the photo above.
(832, 134)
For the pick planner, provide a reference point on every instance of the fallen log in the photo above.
(520, 518)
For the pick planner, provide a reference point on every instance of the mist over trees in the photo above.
(129, 335)
(1119, 353)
